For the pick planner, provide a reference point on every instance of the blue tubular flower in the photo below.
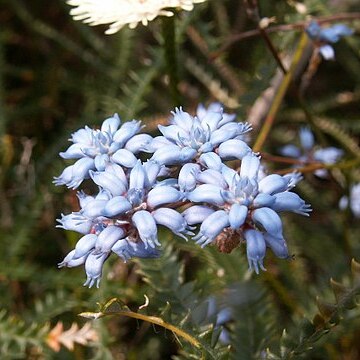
(289, 201)
(277, 245)
(211, 227)
(107, 238)
(75, 222)
(84, 245)
(255, 248)
(196, 214)
(127, 249)
(173, 221)
(187, 137)
(93, 269)
(146, 227)
(322, 37)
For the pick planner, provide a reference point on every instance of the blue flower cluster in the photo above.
(184, 183)
(352, 201)
(307, 153)
(322, 37)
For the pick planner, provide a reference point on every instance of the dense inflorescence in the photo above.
(185, 182)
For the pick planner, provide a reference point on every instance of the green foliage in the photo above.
(57, 75)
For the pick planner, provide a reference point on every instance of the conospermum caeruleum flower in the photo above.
(239, 207)
(308, 152)
(123, 217)
(188, 137)
(95, 149)
(185, 183)
(322, 37)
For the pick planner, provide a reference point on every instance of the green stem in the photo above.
(171, 61)
(275, 106)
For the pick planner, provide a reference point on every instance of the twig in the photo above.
(275, 106)
(284, 27)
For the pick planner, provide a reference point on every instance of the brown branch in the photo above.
(285, 27)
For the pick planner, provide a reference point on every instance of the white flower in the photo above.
(121, 12)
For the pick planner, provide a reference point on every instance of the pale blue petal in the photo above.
(139, 143)
(94, 208)
(250, 165)
(255, 249)
(264, 200)
(73, 152)
(277, 245)
(211, 176)
(146, 227)
(111, 124)
(187, 176)
(289, 201)
(83, 136)
(84, 245)
(83, 198)
(109, 182)
(211, 120)
(173, 221)
(212, 227)
(80, 171)
(107, 238)
(118, 205)
(101, 161)
(211, 160)
(127, 131)
(163, 195)
(70, 262)
(93, 268)
(75, 222)
(268, 220)
(173, 132)
(327, 52)
(138, 177)
(237, 215)
(196, 214)
(125, 158)
(157, 143)
(182, 119)
(207, 193)
(273, 184)
(233, 149)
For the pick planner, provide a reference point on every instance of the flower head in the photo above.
(322, 37)
(123, 217)
(119, 13)
(308, 153)
(242, 205)
(188, 137)
(136, 197)
(94, 149)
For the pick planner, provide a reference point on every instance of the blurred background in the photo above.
(57, 75)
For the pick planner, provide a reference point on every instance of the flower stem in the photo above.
(275, 106)
(168, 30)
